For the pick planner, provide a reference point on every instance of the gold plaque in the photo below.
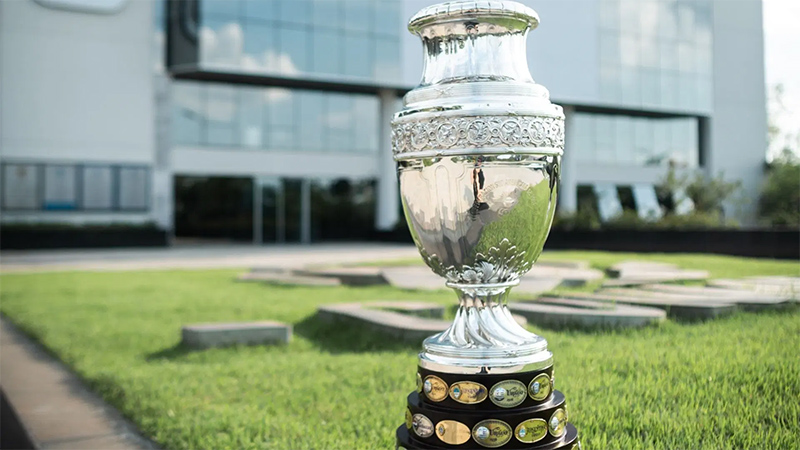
(434, 388)
(508, 393)
(539, 389)
(422, 425)
(491, 433)
(419, 382)
(558, 422)
(468, 392)
(452, 432)
(530, 431)
(409, 418)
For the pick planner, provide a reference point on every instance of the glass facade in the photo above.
(656, 53)
(354, 39)
(635, 141)
(209, 114)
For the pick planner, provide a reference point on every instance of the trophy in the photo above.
(478, 147)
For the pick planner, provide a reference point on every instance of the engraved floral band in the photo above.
(461, 135)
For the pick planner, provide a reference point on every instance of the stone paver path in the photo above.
(635, 273)
(780, 286)
(746, 299)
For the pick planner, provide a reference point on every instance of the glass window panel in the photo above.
(669, 54)
(686, 19)
(629, 50)
(609, 49)
(387, 60)
(648, 18)
(60, 187)
(98, 187)
(704, 59)
(609, 14)
(651, 87)
(704, 93)
(610, 88)
(327, 52)
(261, 53)
(631, 86)
(367, 114)
(219, 8)
(606, 131)
(260, 9)
(357, 56)
(340, 122)
(649, 52)
(294, 58)
(688, 91)
(387, 18)
(188, 113)
(222, 115)
(643, 140)
(296, 11)
(221, 43)
(625, 140)
(133, 188)
(670, 91)
(584, 146)
(327, 14)
(629, 16)
(312, 110)
(668, 19)
(251, 120)
(281, 106)
(358, 14)
(687, 60)
(661, 141)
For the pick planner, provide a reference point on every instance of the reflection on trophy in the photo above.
(478, 147)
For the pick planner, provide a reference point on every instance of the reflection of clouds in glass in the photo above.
(224, 47)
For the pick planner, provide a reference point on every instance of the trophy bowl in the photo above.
(478, 147)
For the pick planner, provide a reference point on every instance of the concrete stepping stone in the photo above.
(350, 276)
(758, 286)
(563, 264)
(287, 278)
(746, 299)
(561, 312)
(688, 308)
(374, 316)
(422, 278)
(627, 267)
(419, 309)
(569, 276)
(206, 335)
(413, 277)
(634, 273)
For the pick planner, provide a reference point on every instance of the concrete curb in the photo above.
(56, 409)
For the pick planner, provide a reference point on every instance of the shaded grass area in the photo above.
(728, 384)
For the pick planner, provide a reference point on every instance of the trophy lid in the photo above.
(512, 15)
(475, 61)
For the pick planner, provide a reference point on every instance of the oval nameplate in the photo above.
(452, 432)
(530, 431)
(468, 392)
(558, 422)
(491, 433)
(434, 388)
(508, 393)
(539, 389)
(422, 425)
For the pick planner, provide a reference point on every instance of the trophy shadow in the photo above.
(343, 336)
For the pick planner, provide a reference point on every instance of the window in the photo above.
(20, 186)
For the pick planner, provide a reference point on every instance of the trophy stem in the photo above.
(484, 336)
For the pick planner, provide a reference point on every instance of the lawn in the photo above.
(727, 384)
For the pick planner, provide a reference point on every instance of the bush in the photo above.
(779, 205)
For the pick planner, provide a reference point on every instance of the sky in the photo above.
(782, 60)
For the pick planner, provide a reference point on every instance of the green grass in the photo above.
(727, 384)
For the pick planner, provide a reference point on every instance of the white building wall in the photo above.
(738, 129)
(76, 87)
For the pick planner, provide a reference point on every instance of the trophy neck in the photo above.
(474, 41)
(484, 337)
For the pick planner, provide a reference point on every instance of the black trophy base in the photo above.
(568, 442)
(520, 411)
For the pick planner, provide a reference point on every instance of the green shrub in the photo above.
(779, 204)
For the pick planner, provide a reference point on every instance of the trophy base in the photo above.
(517, 410)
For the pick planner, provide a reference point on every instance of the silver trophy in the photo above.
(478, 147)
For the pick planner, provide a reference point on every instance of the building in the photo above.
(271, 123)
